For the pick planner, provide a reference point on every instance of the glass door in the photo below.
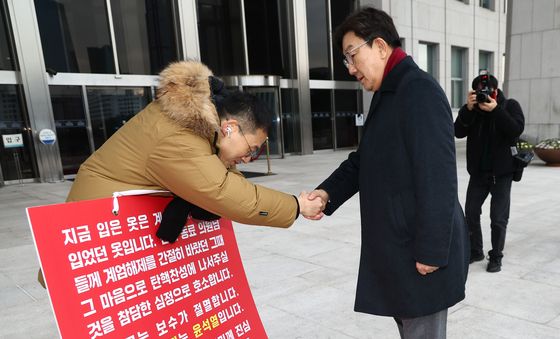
(17, 160)
(71, 127)
(321, 119)
(112, 107)
(270, 96)
(17, 156)
(346, 109)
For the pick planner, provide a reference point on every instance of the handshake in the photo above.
(311, 205)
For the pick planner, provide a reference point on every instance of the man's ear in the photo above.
(383, 47)
(228, 125)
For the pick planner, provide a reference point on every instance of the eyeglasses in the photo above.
(253, 153)
(349, 56)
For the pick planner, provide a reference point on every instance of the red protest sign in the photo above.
(110, 277)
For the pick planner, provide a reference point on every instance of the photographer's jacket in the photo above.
(405, 171)
(170, 146)
(490, 136)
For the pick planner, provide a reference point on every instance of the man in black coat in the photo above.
(492, 125)
(414, 255)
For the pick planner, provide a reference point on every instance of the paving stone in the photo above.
(304, 278)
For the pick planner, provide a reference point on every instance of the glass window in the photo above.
(346, 108)
(485, 61)
(427, 58)
(287, 40)
(321, 119)
(145, 35)
(318, 40)
(71, 126)
(488, 4)
(220, 36)
(340, 9)
(263, 37)
(7, 59)
(269, 96)
(17, 162)
(458, 71)
(75, 35)
(290, 120)
(112, 107)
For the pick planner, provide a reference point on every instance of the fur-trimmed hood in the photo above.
(185, 97)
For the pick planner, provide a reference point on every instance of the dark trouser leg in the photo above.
(499, 214)
(433, 326)
(476, 194)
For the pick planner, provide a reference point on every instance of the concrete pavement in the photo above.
(303, 278)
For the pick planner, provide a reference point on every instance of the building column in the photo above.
(35, 86)
(188, 19)
(302, 66)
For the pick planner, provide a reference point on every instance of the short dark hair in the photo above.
(368, 23)
(249, 110)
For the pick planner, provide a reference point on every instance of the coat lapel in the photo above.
(374, 102)
(390, 84)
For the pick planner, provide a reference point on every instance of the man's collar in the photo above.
(392, 80)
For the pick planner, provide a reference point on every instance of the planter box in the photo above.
(550, 156)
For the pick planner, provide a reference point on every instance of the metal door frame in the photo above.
(8, 78)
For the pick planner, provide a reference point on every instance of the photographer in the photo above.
(492, 125)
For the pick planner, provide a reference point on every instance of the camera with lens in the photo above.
(484, 90)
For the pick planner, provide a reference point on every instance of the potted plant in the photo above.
(524, 146)
(549, 151)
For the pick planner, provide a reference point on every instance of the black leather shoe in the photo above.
(476, 257)
(494, 265)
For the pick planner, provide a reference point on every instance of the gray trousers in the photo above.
(433, 326)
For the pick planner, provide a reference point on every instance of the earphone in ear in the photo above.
(228, 130)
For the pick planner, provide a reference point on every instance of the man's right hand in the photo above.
(323, 197)
(471, 100)
(310, 208)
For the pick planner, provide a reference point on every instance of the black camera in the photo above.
(483, 91)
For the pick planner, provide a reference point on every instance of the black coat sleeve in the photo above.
(463, 123)
(509, 119)
(342, 184)
(430, 144)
